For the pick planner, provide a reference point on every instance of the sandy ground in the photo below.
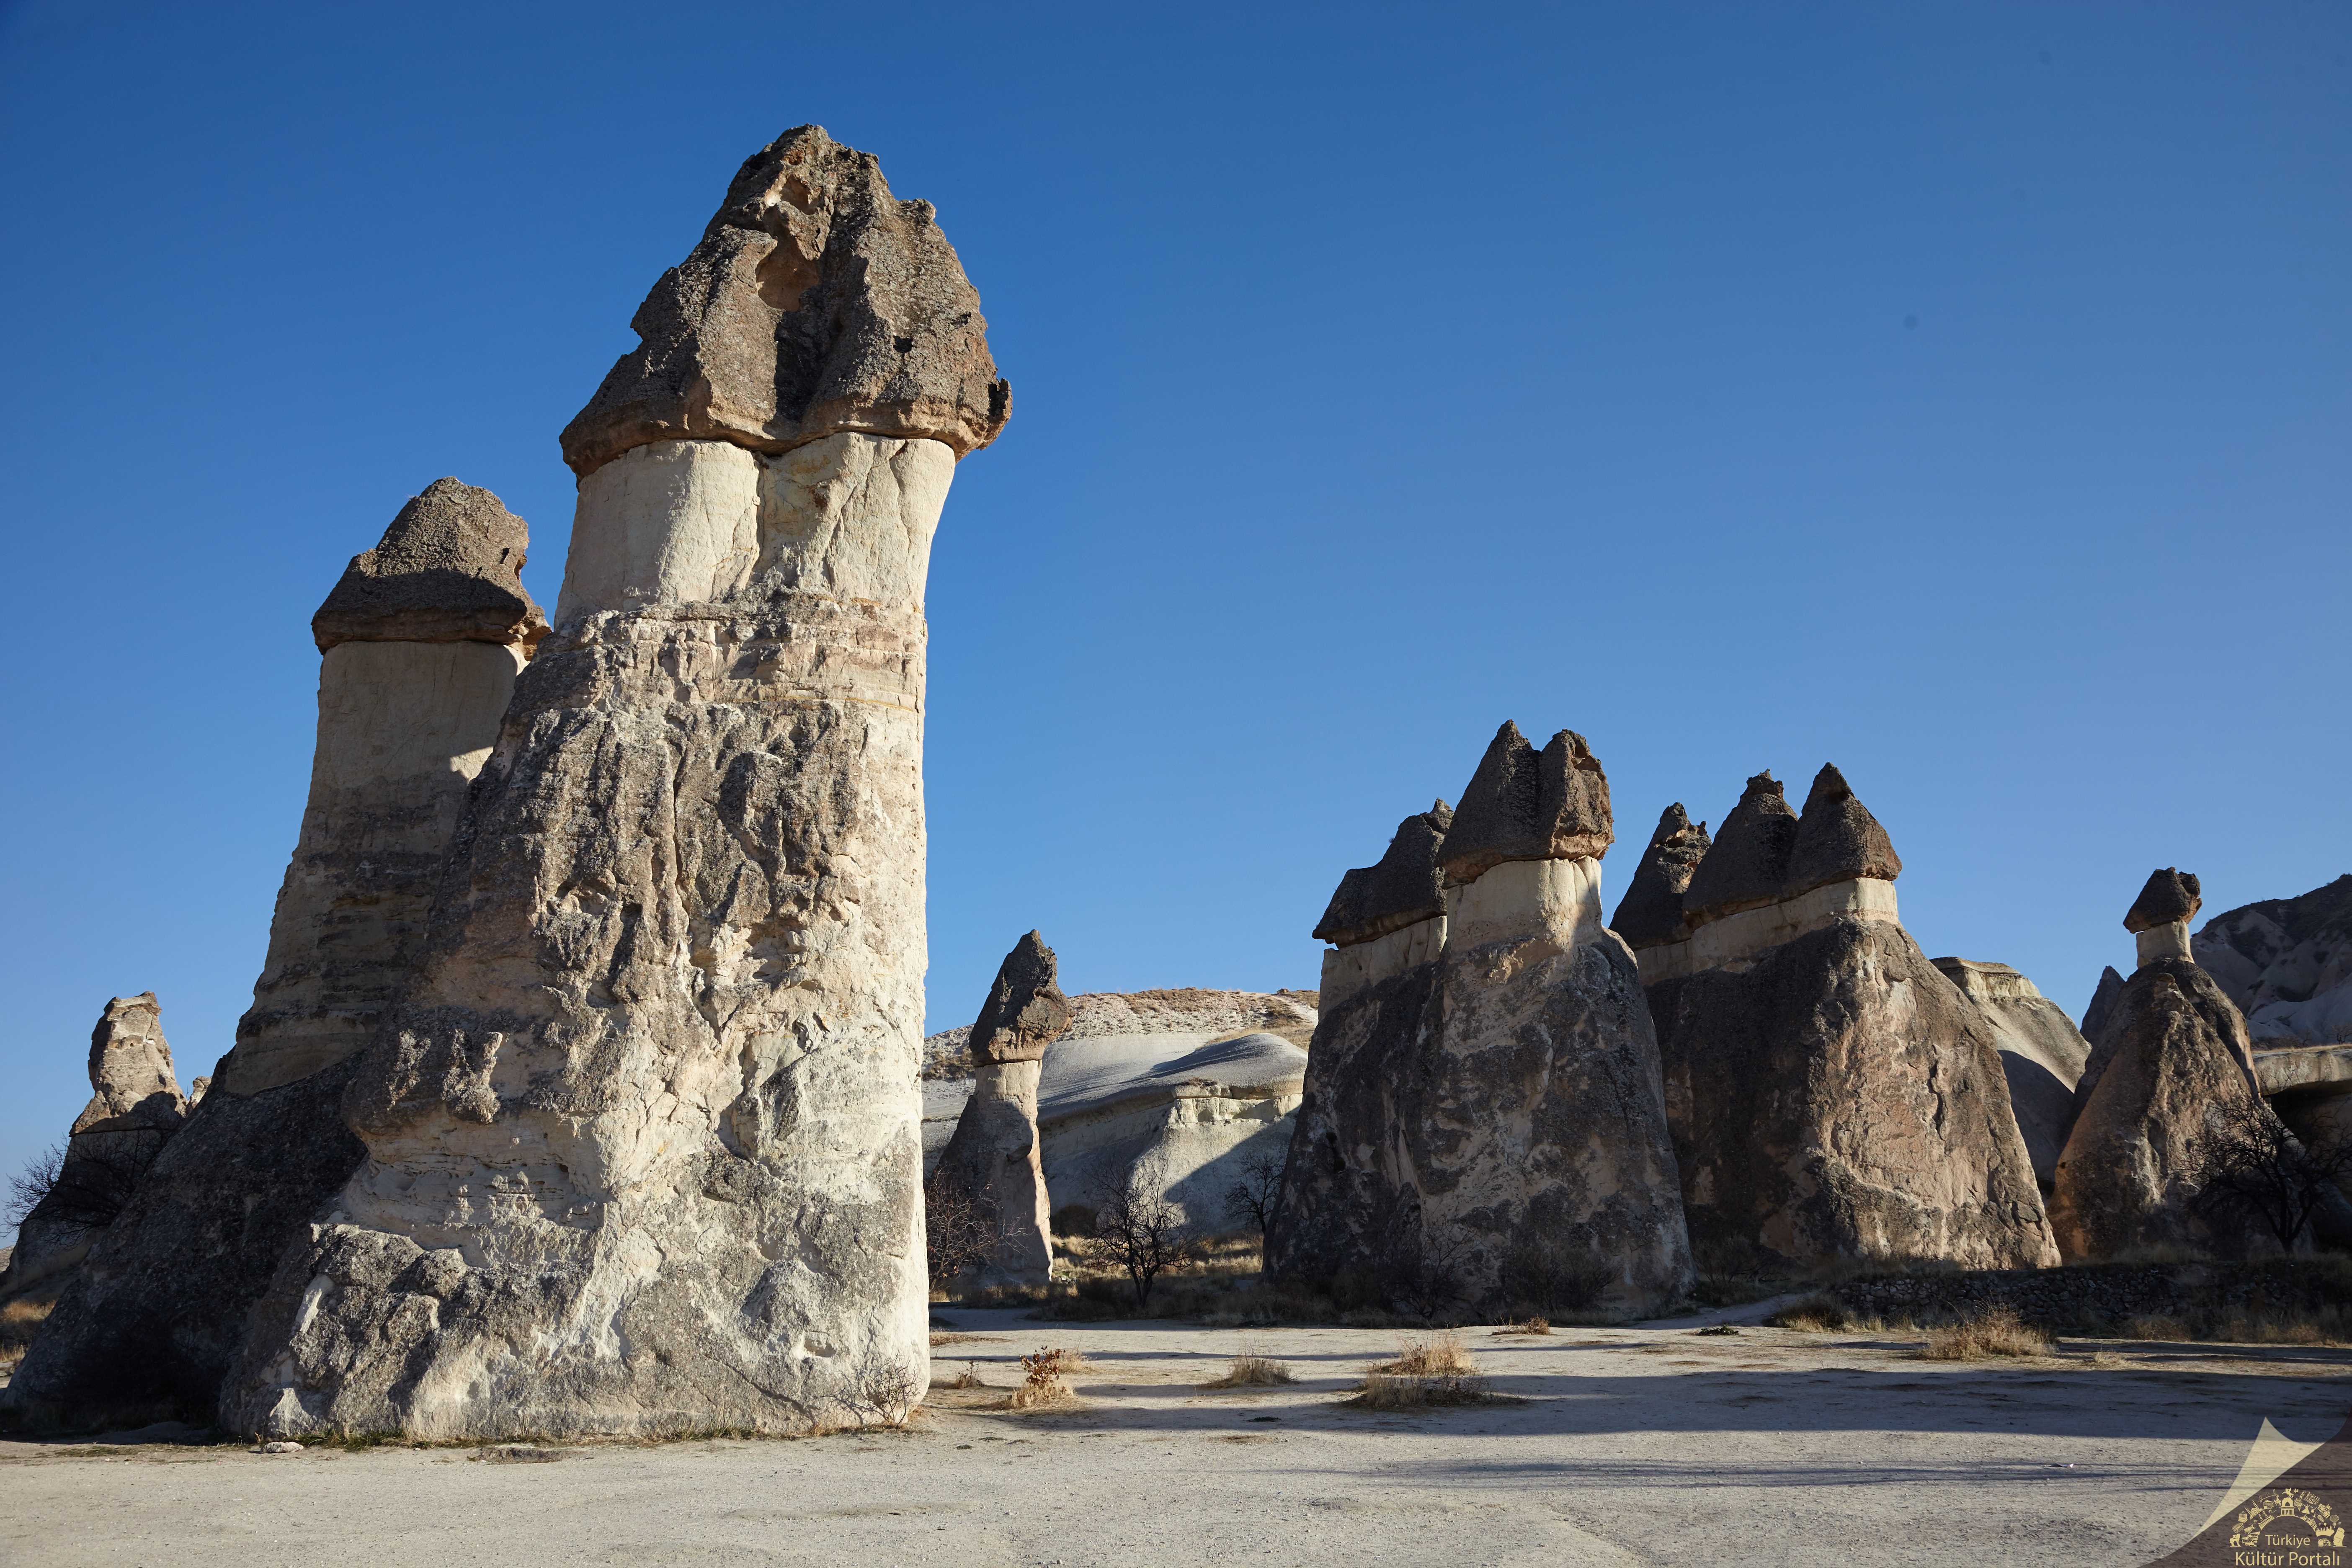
(1650, 1446)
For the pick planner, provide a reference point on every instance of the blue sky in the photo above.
(1956, 393)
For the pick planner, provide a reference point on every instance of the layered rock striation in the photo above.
(642, 1139)
(420, 641)
(992, 1164)
(1484, 1102)
(1831, 1094)
(135, 1106)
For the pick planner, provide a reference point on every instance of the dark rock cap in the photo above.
(1838, 839)
(2170, 896)
(1525, 806)
(1747, 865)
(815, 302)
(1402, 890)
(1651, 910)
(1025, 1010)
(449, 569)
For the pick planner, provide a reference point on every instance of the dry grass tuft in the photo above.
(1998, 1332)
(1044, 1379)
(968, 1378)
(1813, 1315)
(1251, 1370)
(2156, 1326)
(1431, 1355)
(946, 1338)
(1532, 1326)
(1385, 1391)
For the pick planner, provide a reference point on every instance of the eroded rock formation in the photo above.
(1486, 1104)
(2287, 964)
(135, 1105)
(1831, 1094)
(991, 1163)
(2042, 1054)
(419, 642)
(2172, 1046)
(641, 1137)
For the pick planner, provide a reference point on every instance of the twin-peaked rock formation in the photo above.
(1831, 1094)
(1483, 1095)
(420, 641)
(135, 1105)
(642, 1136)
(993, 1162)
(2169, 1045)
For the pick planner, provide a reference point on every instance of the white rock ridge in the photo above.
(643, 1136)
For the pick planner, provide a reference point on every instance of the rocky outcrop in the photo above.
(2287, 964)
(1486, 1104)
(1833, 1095)
(2042, 1054)
(2172, 1046)
(1651, 912)
(815, 304)
(135, 1106)
(643, 1134)
(1187, 1088)
(2103, 1002)
(420, 643)
(992, 1165)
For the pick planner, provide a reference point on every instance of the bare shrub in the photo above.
(1425, 1278)
(886, 1393)
(82, 1191)
(958, 1231)
(1555, 1279)
(1252, 1369)
(1431, 1355)
(968, 1378)
(2250, 1169)
(1531, 1326)
(1074, 1219)
(1813, 1315)
(1142, 1232)
(1044, 1379)
(1383, 1391)
(1997, 1331)
(1249, 1201)
(2156, 1326)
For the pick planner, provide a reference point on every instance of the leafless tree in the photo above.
(2251, 1170)
(1249, 1201)
(1144, 1232)
(957, 1231)
(1427, 1278)
(85, 1191)
(1553, 1278)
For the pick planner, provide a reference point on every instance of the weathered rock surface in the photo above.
(1833, 1095)
(422, 639)
(2103, 1002)
(135, 1105)
(1487, 1104)
(1651, 912)
(992, 1162)
(1403, 888)
(1521, 804)
(816, 303)
(1187, 1086)
(449, 569)
(643, 1135)
(2158, 919)
(2042, 1054)
(1747, 866)
(2287, 964)
(2173, 1046)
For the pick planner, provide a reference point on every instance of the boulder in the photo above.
(816, 303)
(2042, 1054)
(135, 1106)
(990, 1165)
(672, 986)
(1833, 1095)
(421, 641)
(1651, 912)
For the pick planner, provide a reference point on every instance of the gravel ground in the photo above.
(1648, 1445)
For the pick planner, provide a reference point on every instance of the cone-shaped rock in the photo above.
(672, 988)
(1403, 888)
(1525, 804)
(1833, 1094)
(1345, 1189)
(420, 643)
(1651, 910)
(1747, 866)
(991, 1176)
(2042, 1055)
(816, 303)
(2103, 1004)
(1838, 839)
(2172, 1046)
(135, 1105)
